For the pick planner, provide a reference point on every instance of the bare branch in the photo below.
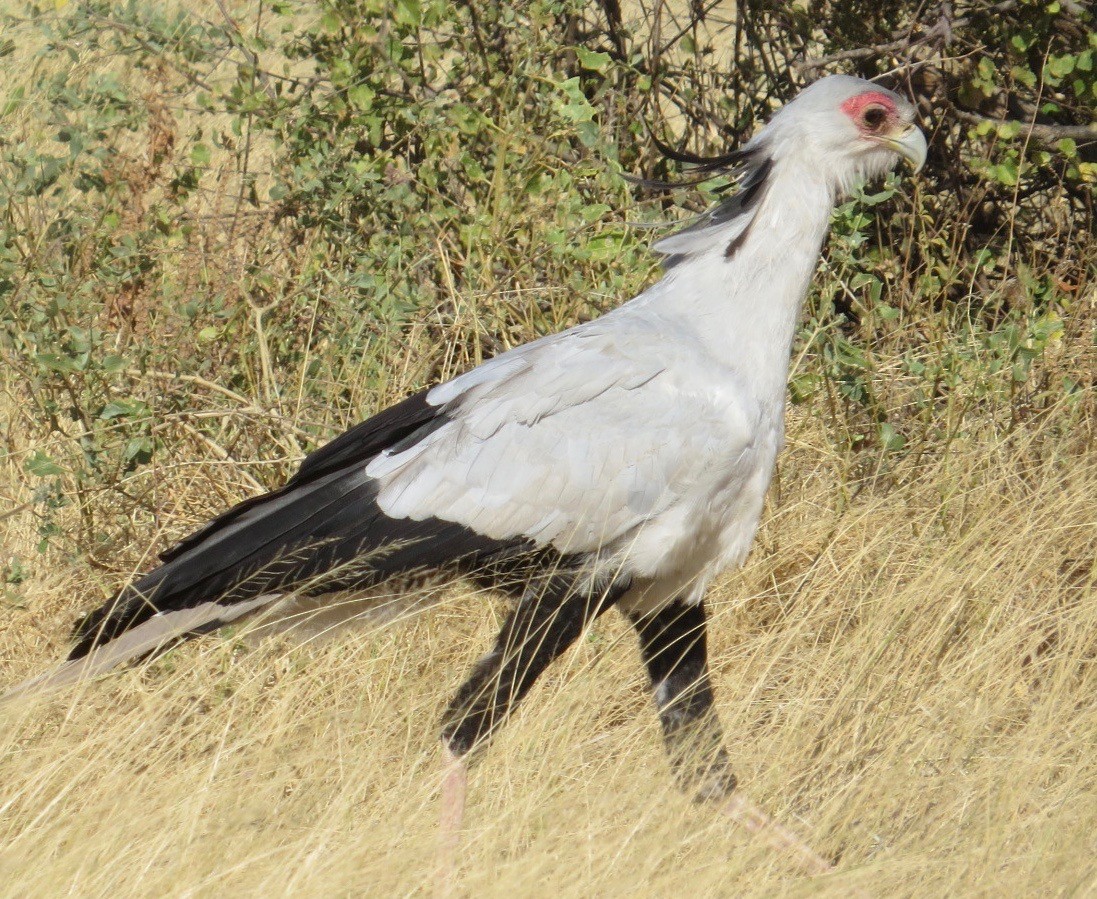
(252, 56)
(1045, 133)
(939, 33)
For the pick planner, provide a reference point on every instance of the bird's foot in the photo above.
(742, 811)
(708, 778)
(707, 782)
(702, 768)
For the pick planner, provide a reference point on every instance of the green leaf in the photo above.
(1061, 66)
(803, 386)
(123, 409)
(592, 60)
(594, 211)
(361, 96)
(13, 103)
(575, 108)
(138, 449)
(56, 362)
(603, 247)
(877, 198)
(1004, 172)
(42, 466)
(589, 134)
(1023, 75)
(200, 155)
(891, 440)
(408, 12)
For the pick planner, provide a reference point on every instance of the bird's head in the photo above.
(847, 129)
(836, 133)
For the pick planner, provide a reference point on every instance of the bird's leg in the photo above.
(675, 650)
(674, 645)
(549, 617)
(454, 786)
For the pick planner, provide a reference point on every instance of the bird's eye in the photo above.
(874, 117)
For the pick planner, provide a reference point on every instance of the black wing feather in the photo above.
(323, 530)
(360, 444)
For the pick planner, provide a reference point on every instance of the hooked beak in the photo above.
(910, 144)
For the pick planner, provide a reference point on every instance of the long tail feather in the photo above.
(157, 633)
(313, 538)
(322, 531)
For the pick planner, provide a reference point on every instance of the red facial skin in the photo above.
(855, 108)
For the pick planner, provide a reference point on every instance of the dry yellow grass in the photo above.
(906, 677)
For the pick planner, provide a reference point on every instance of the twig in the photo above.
(11, 513)
(685, 29)
(1041, 131)
(190, 379)
(252, 56)
(940, 31)
(160, 56)
(222, 454)
(246, 405)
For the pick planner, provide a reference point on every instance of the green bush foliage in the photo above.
(237, 229)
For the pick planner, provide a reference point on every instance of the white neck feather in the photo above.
(745, 308)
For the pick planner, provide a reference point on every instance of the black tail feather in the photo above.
(317, 542)
(322, 531)
(362, 556)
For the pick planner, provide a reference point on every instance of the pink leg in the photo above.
(454, 786)
(744, 812)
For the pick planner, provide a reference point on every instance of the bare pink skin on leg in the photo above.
(454, 788)
(744, 812)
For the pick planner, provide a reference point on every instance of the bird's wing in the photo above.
(573, 441)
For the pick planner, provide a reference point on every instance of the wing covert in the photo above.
(574, 441)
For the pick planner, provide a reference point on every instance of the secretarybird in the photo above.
(622, 462)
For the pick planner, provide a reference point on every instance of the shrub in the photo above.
(227, 232)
